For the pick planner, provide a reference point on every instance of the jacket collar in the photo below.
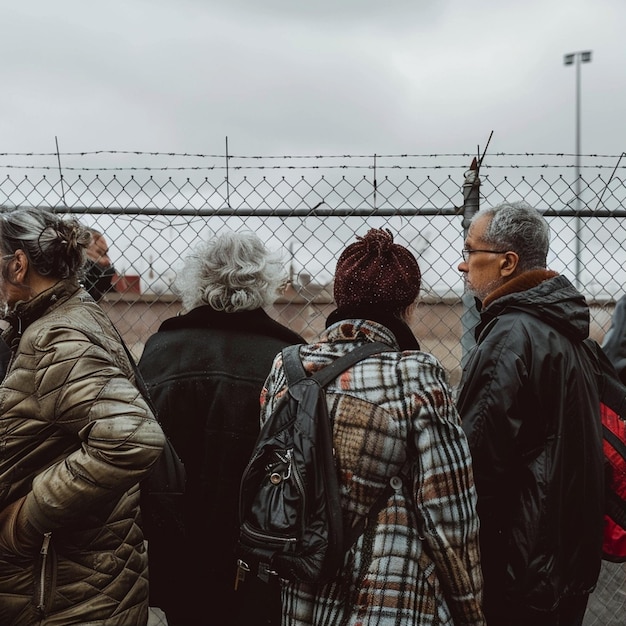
(546, 295)
(257, 321)
(359, 330)
(25, 312)
(400, 330)
(522, 282)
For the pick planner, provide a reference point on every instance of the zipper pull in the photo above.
(45, 544)
(242, 570)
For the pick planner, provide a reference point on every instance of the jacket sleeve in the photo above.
(494, 377)
(446, 499)
(490, 394)
(82, 392)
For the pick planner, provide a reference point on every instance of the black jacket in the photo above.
(614, 344)
(205, 371)
(530, 409)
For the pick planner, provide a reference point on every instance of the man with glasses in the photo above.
(530, 408)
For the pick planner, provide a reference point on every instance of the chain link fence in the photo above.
(153, 207)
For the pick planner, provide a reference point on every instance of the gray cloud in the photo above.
(289, 77)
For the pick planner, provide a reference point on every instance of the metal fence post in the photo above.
(469, 316)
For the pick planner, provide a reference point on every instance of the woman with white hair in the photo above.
(205, 370)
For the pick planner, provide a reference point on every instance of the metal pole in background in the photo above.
(569, 59)
(469, 316)
(577, 173)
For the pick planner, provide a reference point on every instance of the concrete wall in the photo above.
(438, 326)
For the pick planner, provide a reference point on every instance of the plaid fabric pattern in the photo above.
(385, 408)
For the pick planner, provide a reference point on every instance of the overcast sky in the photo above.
(324, 76)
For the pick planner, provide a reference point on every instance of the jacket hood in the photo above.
(546, 295)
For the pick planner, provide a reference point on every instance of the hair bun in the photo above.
(73, 236)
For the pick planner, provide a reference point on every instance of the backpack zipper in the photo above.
(265, 538)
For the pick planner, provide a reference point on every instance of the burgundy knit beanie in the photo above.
(374, 270)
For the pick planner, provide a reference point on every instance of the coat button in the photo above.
(396, 483)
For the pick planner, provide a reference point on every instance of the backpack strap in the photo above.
(292, 364)
(139, 380)
(294, 370)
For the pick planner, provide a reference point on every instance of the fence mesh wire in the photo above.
(153, 208)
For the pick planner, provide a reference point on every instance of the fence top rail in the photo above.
(319, 211)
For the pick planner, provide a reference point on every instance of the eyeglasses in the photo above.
(466, 252)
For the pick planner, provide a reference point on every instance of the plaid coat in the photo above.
(385, 408)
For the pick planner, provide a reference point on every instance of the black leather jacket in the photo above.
(530, 408)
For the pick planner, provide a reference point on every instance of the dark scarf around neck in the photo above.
(400, 329)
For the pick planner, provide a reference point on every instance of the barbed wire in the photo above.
(301, 168)
(305, 156)
(229, 162)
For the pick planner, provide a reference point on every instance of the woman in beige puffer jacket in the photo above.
(76, 437)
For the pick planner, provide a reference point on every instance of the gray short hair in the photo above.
(519, 227)
(233, 271)
(55, 246)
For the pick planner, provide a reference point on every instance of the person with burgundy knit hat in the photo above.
(530, 407)
(394, 423)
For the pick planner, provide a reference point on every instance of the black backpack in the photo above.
(613, 414)
(291, 523)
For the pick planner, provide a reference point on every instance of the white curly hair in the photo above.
(232, 271)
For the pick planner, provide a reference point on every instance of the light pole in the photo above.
(570, 59)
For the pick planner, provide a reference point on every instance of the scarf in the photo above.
(400, 329)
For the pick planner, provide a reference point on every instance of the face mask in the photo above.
(97, 279)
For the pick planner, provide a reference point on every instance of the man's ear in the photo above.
(508, 264)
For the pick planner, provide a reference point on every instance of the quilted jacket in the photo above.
(76, 437)
(386, 408)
